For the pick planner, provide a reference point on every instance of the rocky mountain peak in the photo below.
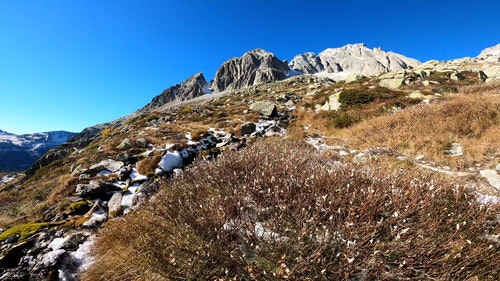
(352, 59)
(192, 87)
(254, 67)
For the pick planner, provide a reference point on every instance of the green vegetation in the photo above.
(25, 230)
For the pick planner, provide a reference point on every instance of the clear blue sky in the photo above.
(70, 64)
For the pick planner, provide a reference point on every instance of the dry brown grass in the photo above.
(473, 120)
(280, 211)
(148, 165)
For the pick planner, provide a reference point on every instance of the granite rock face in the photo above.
(191, 88)
(352, 59)
(253, 68)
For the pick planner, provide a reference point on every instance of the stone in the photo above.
(125, 144)
(248, 128)
(107, 164)
(141, 142)
(455, 149)
(265, 108)
(456, 76)
(391, 83)
(122, 156)
(354, 77)
(115, 205)
(481, 75)
(428, 83)
(94, 189)
(492, 177)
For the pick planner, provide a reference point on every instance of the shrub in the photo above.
(148, 165)
(282, 211)
(341, 119)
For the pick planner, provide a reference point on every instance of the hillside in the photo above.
(274, 172)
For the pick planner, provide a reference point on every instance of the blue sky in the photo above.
(70, 64)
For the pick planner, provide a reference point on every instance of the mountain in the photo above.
(19, 152)
(193, 87)
(302, 154)
(258, 66)
(351, 59)
(253, 68)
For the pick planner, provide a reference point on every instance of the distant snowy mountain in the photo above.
(19, 152)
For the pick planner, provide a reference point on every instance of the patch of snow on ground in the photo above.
(97, 218)
(83, 257)
(135, 176)
(486, 199)
(171, 161)
(128, 198)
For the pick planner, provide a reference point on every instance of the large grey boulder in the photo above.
(253, 68)
(107, 164)
(265, 108)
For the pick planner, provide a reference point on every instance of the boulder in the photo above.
(354, 77)
(141, 142)
(456, 76)
(492, 177)
(391, 83)
(125, 144)
(455, 149)
(265, 108)
(107, 164)
(95, 189)
(115, 205)
(248, 128)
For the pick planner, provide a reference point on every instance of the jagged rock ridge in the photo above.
(193, 87)
(352, 59)
(253, 68)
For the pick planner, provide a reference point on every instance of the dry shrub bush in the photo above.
(148, 165)
(471, 120)
(279, 211)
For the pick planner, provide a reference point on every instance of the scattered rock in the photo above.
(115, 205)
(455, 149)
(248, 128)
(107, 164)
(456, 76)
(141, 142)
(492, 177)
(125, 144)
(265, 108)
(95, 189)
(391, 83)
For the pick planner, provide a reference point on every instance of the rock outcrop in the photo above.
(491, 54)
(193, 87)
(253, 68)
(352, 59)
